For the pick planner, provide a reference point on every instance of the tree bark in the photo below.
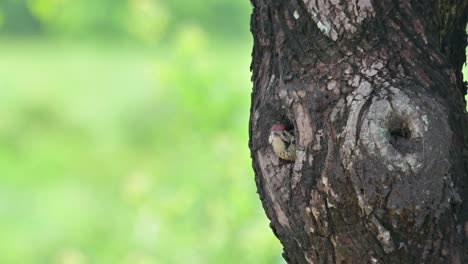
(374, 91)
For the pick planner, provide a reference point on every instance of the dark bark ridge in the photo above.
(375, 93)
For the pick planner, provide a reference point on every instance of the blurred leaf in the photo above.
(119, 154)
(148, 20)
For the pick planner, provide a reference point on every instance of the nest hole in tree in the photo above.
(400, 135)
(278, 116)
(270, 115)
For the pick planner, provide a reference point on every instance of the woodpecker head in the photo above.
(283, 143)
(278, 127)
(276, 130)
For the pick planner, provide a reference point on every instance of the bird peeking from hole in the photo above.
(283, 142)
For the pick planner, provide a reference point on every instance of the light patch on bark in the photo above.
(319, 212)
(384, 237)
(326, 187)
(364, 89)
(324, 184)
(255, 122)
(308, 259)
(309, 225)
(296, 14)
(425, 120)
(337, 110)
(355, 102)
(374, 68)
(271, 82)
(335, 18)
(303, 125)
(355, 81)
(332, 85)
(270, 172)
(301, 157)
(363, 203)
(326, 28)
(311, 160)
(355, 105)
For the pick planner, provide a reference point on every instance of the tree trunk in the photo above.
(374, 92)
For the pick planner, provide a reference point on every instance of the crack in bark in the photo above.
(360, 120)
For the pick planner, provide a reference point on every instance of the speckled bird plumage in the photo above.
(283, 143)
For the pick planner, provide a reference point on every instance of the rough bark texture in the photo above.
(374, 92)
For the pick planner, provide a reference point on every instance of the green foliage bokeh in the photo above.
(123, 136)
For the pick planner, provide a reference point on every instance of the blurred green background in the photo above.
(123, 134)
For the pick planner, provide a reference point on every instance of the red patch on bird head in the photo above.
(278, 127)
